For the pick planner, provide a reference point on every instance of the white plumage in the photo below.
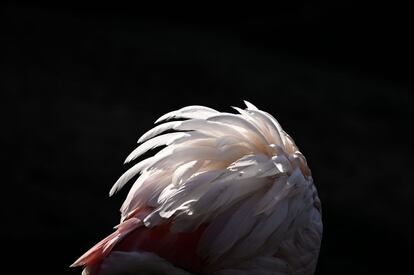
(239, 176)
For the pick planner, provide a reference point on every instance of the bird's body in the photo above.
(229, 194)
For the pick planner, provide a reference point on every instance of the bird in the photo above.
(226, 193)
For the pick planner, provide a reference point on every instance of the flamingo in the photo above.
(228, 194)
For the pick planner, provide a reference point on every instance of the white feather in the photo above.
(229, 228)
(194, 111)
(249, 131)
(166, 139)
(250, 106)
(211, 128)
(238, 173)
(271, 198)
(158, 130)
(133, 171)
(263, 124)
(263, 230)
(272, 125)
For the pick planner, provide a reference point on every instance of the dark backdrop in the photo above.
(79, 86)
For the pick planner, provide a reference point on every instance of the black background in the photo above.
(80, 85)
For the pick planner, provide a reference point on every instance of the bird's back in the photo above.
(229, 194)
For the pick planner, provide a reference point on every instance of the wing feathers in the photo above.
(237, 173)
(158, 129)
(155, 142)
(129, 175)
(250, 106)
(195, 111)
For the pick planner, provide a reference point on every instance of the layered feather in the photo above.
(239, 174)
